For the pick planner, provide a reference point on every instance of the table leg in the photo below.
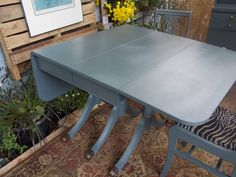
(133, 111)
(117, 111)
(143, 125)
(91, 102)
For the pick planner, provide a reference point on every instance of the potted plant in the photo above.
(24, 118)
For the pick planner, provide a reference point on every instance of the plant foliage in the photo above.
(20, 108)
(71, 101)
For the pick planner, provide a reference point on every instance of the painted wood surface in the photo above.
(16, 42)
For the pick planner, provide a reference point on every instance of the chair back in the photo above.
(170, 21)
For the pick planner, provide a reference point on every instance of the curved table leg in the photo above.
(142, 126)
(132, 145)
(91, 102)
(117, 111)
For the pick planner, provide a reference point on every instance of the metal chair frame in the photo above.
(178, 133)
(177, 14)
(172, 15)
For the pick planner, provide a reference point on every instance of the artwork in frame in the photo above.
(46, 15)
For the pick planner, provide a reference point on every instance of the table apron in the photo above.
(97, 89)
(104, 93)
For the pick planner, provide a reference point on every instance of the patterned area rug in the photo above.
(60, 159)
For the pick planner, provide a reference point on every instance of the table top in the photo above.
(180, 77)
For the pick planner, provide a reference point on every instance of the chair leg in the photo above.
(234, 172)
(173, 138)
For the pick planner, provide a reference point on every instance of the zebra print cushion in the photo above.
(220, 129)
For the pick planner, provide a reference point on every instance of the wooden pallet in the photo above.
(17, 43)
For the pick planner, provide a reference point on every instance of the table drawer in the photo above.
(223, 21)
(55, 70)
(222, 39)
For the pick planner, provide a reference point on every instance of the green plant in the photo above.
(69, 102)
(20, 108)
(8, 143)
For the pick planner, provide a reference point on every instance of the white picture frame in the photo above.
(47, 15)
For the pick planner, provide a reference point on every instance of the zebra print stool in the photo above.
(217, 136)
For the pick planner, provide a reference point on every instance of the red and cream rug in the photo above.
(59, 159)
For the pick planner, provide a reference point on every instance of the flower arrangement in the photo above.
(121, 12)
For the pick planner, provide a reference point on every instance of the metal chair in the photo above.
(169, 21)
(217, 136)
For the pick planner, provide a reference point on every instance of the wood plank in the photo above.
(201, 15)
(18, 26)
(25, 66)
(20, 57)
(6, 2)
(12, 68)
(13, 27)
(12, 12)
(24, 38)
(88, 8)
(83, 32)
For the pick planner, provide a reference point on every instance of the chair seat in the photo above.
(220, 129)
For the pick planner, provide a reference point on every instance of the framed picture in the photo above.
(46, 15)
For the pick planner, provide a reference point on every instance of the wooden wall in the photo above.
(201, 15)
(201, 10)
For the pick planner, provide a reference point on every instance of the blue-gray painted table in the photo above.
(178, 77)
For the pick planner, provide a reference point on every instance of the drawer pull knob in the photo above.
(231, 17)
(229, 26)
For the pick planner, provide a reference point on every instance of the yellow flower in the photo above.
(122, 11)
(97, 2)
